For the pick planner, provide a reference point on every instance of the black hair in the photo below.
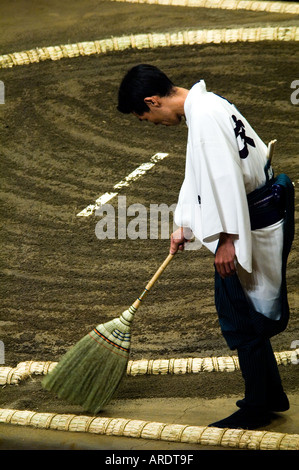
(140, 82)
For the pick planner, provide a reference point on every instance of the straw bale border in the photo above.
(149, 41)
(177, 366)
(121, 427)
(195, 365)
(274, 7)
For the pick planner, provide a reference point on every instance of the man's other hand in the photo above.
(225, 256)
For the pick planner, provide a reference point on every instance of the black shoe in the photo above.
(275, 404)
(244, 418)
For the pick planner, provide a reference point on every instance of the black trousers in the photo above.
(249, 332)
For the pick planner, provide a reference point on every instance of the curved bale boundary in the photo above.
(150, 41)
(274, 7)
(176, 366)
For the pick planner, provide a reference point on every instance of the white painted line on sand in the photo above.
(137, 173)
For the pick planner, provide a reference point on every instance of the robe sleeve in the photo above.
(213, 171)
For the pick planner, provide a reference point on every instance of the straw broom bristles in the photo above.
(90, 372)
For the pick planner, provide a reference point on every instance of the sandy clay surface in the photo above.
(63, 144)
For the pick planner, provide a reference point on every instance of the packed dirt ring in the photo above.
(65, 150)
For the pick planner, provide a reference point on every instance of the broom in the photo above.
(89, 373)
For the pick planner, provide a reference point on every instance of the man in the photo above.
(232, 204)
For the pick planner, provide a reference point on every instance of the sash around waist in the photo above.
(266, 204)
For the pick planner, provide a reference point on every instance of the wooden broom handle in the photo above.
(155, 277)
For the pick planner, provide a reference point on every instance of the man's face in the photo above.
(158, 117)
(160, 112)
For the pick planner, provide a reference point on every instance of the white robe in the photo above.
(213, 198)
